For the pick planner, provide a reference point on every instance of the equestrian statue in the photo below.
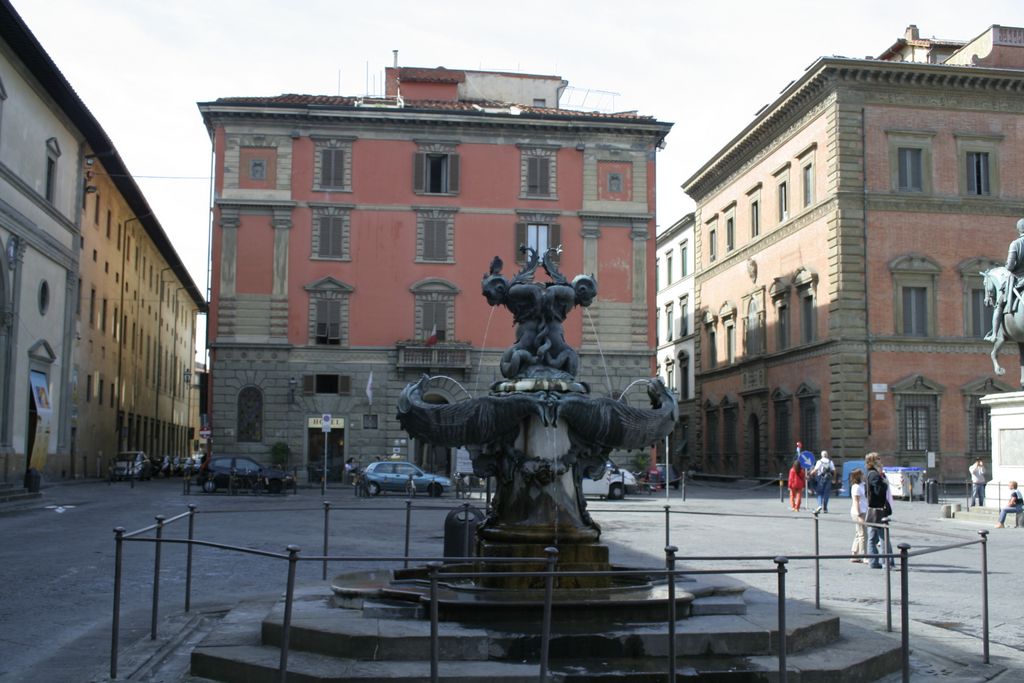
(1004, 291)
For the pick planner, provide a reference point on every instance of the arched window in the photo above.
(250, 414)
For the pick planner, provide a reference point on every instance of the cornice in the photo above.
(956, 345)
(941, 204)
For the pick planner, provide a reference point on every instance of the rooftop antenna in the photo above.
(339, 82)
(395, 54)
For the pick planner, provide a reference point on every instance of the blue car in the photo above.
(395, 476)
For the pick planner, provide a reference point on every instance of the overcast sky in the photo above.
(141, 66)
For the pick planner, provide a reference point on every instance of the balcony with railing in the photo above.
(446, 354)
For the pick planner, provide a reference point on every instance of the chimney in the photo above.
(395, 53)
(912, 33)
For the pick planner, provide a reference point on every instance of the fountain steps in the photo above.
(336, 644)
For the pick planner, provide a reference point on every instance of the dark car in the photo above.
(394, 476)
(131, 465)
(248, 473)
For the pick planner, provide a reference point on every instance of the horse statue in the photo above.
(1009, 325)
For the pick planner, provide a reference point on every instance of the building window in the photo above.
(668, 268)
(979, 164)
(754, 328)
(712, 244)
(337, 385)
(539, 235)
(684, 377)
(730, 341)
(44, 297)
(657, 326)
(978, 173)
(782, 324)
(329, 312)
(712, 354)
(103, 315)
(537, 172)
(755, 218)
(914, 284)
(684, 316)
(669, 321)
(436, 170)
(730, 233)
(808, 184)
(250, 415)
(977, 314)
(52, 155)
(684, 256)
(711, 442)
(979, 433)
(783, 419)
(435, 229)
(783, 195)
(670, 377)
(88, 388)
(917, 414)
(806, 283)
(657, 274)
(331, 232)
(729, 418)
(434, 309)
(807, 402)
(332, 164)
(910, 170)
(92, 307)
(328, 322)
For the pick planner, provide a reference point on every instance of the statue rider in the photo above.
(1014, 283)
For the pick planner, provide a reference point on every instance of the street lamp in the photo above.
(292, 384)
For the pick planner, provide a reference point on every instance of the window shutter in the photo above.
(520, 240)
(419, 174)
(435, 239)
(555, 238)
(453, 173)
(543, 176)
(309, 384)
(338, 168)
(321, 319)
(532, 173)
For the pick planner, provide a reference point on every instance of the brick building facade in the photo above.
(348, 232)
(839, 239)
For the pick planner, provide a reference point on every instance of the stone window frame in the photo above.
(521, 233)
(434, 291)
(712, 227)
(727, 314)
(917, 391)
(710, 329)
(910, 139)
(806, 160)
(53, 153)
(978, 142)
(971, 281)
(782, 193)
(754, 210)
(421, 173)
(321, 143)
(425, 214)
(657, 326)
(805, 283)
(976, 415)
(782, 408)
(684, 326)
(683, 389)
(538, 152)
(780, 296)
(914, 270)
(808, 399)
(332, 211)
(669, 322)
(729, 214)
(329, 289)
(249, 409)
(684, 254)
(754, 340)
(668, 267)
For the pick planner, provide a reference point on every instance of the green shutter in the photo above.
(555, 238)
(453, 173)
(543, 176)
(520, 240)
(419, 163)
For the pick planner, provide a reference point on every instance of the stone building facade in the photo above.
(350, 235)
(839, 240)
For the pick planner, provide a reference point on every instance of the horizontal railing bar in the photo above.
(936, 549)
(210, 544)
(620, 573)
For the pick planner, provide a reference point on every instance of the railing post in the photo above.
(905, 609)
(967, 497)
(327, 526)
(408, 524)
(116, 622)
(682, 485)
(668, 540)
(670, 565)
(780, 563)
(286, 622)
(817, 563)
(545, 636)
(984, 592)
(188, 555)
(435, 647)
(465, 526)
(156, 576)
(781, 487)
(886, 550)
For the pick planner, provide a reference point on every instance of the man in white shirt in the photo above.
(977, 471)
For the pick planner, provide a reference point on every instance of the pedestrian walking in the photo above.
(879, 510)
(797, 482)
(823, 475)
(977, 472)
(858, 510)
(1015, 504)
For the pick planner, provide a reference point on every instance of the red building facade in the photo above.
(348, 232)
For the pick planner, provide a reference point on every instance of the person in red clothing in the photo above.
(797, 483)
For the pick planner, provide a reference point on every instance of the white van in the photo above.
(613, 485)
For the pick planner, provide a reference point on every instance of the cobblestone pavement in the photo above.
(58, 555)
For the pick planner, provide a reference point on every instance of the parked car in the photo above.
(217, 475)
(131, 465)
(394, 476)
(613, 484)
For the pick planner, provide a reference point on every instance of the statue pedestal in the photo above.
(571, 557)
(1007, 429)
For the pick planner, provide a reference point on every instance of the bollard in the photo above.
(817, 563)
(116, 623)
(905, 610)
(408, 523)
(156, 576)
(286, 622)
(668, 541)
(682, 485)
(780, 563)
(886, 550)
(435, 649)
(545, 636)
(327, 526)
(967, 488)
(188, 555)
(984, 592)
(670, 565)
(781, 488)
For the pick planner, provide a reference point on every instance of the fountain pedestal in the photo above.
(571, 557)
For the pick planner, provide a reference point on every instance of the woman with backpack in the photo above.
(823, 474)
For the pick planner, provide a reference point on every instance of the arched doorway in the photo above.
(754, 445)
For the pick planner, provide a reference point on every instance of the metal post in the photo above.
(780, 563)
(487, 504)
(327, 526)
(682, 485)
(435, 647)
(156, 576)
(905, 610)
(984, 592)
(286, 623)
(188, 555)
(408, 523)
(116, 622)
(967, 488)
(465, 527)
(545, 637)
(817, 563)
(670, 564)
(667, 540)
(888, 578)
(323, 479)
(780, 488)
